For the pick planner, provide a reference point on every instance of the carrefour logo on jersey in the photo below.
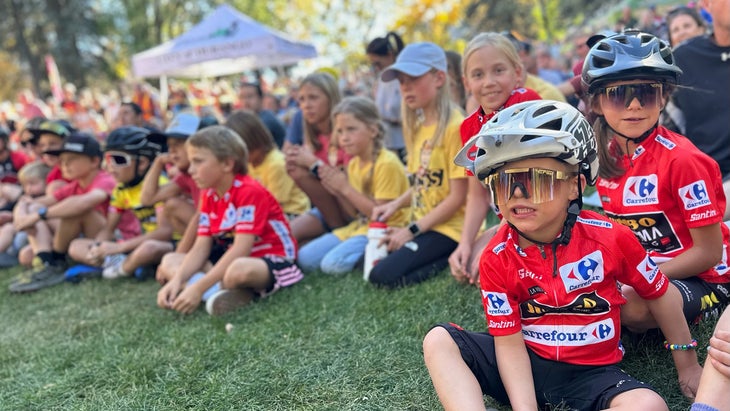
(694, 195)
(496, 303)
(648, 268)
(641, 190)
(582, 273)
(570, 335)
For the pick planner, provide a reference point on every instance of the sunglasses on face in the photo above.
(648, 94)
(536, 184)
(117, 159)
(32, 142)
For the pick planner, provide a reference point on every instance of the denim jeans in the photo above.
(332, 256)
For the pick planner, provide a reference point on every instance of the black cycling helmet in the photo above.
(134, 140)
(629, 55)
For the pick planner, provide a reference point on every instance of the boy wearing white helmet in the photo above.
(548, 280)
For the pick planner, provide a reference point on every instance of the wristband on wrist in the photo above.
(414, 229)
(42, 213)
(681, 347)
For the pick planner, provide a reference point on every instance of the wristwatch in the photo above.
(42, 213)
(414, 229)
(314, 168)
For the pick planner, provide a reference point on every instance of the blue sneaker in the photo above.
(80, 272)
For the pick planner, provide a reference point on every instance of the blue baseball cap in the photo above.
(416, 60)
(183, 126)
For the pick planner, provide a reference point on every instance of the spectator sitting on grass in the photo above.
(32, 179)
(128, 154)
(181, 194)
(267, 164)
(374, 176)
(80, 208)
(244, 246)
(548, 280)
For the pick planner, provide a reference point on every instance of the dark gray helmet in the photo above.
(134, 140)
(627, 56)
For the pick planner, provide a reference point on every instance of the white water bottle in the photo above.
(373, 251)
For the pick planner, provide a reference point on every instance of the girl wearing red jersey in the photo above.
(655, 181)
(548, 280)
(243, 241)
(493, 76)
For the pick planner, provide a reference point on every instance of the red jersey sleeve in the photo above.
(698, 190)
(251, 211)
(500, 305)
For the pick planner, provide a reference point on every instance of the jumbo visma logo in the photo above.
(694, 195)
(496, 303)
(641, 190)
(582, 273)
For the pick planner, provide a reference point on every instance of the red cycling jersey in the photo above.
(669, 187)
(570, 314)
(247, 208)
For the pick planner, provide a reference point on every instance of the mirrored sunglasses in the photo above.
(648, 94)
(536, 184)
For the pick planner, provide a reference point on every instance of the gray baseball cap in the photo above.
(416, 60)
(183, 126)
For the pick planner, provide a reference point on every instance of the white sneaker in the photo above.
(113, 267)
(225, 301)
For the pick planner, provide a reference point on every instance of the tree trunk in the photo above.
(22, 47)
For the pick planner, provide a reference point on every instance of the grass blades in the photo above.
(328, 343)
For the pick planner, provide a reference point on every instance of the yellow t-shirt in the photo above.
(271, 173)
(432, 168)
(387, 182)
(129, 198)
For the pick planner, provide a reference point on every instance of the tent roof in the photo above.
(225, 42)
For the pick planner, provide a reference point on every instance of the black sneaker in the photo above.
(37, 278)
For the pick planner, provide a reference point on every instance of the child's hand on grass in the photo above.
(188, 300)
(167, 294)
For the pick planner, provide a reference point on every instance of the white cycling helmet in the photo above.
(539, 128)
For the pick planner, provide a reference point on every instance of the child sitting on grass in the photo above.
(180, 195)
(244, 245)
(267, 164)
(128, 155)
(374, 176)
(32, 179)
(80, 208)
(548, 280)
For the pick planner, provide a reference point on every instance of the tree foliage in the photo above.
(94, 40)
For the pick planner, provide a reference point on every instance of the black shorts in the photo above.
(282, 273)
(581, 387)
(702, 299)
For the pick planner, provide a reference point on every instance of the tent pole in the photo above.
(164, 94)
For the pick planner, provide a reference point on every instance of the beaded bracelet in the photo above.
(681, 347)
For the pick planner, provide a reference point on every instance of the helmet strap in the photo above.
(635, 140)
(565, 234)
(137, 178)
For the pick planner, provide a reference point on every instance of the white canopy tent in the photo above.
(225, 42)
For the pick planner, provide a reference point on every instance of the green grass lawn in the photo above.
(325, 344)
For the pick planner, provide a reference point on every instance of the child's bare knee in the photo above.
(236, 274)
(438, 340)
